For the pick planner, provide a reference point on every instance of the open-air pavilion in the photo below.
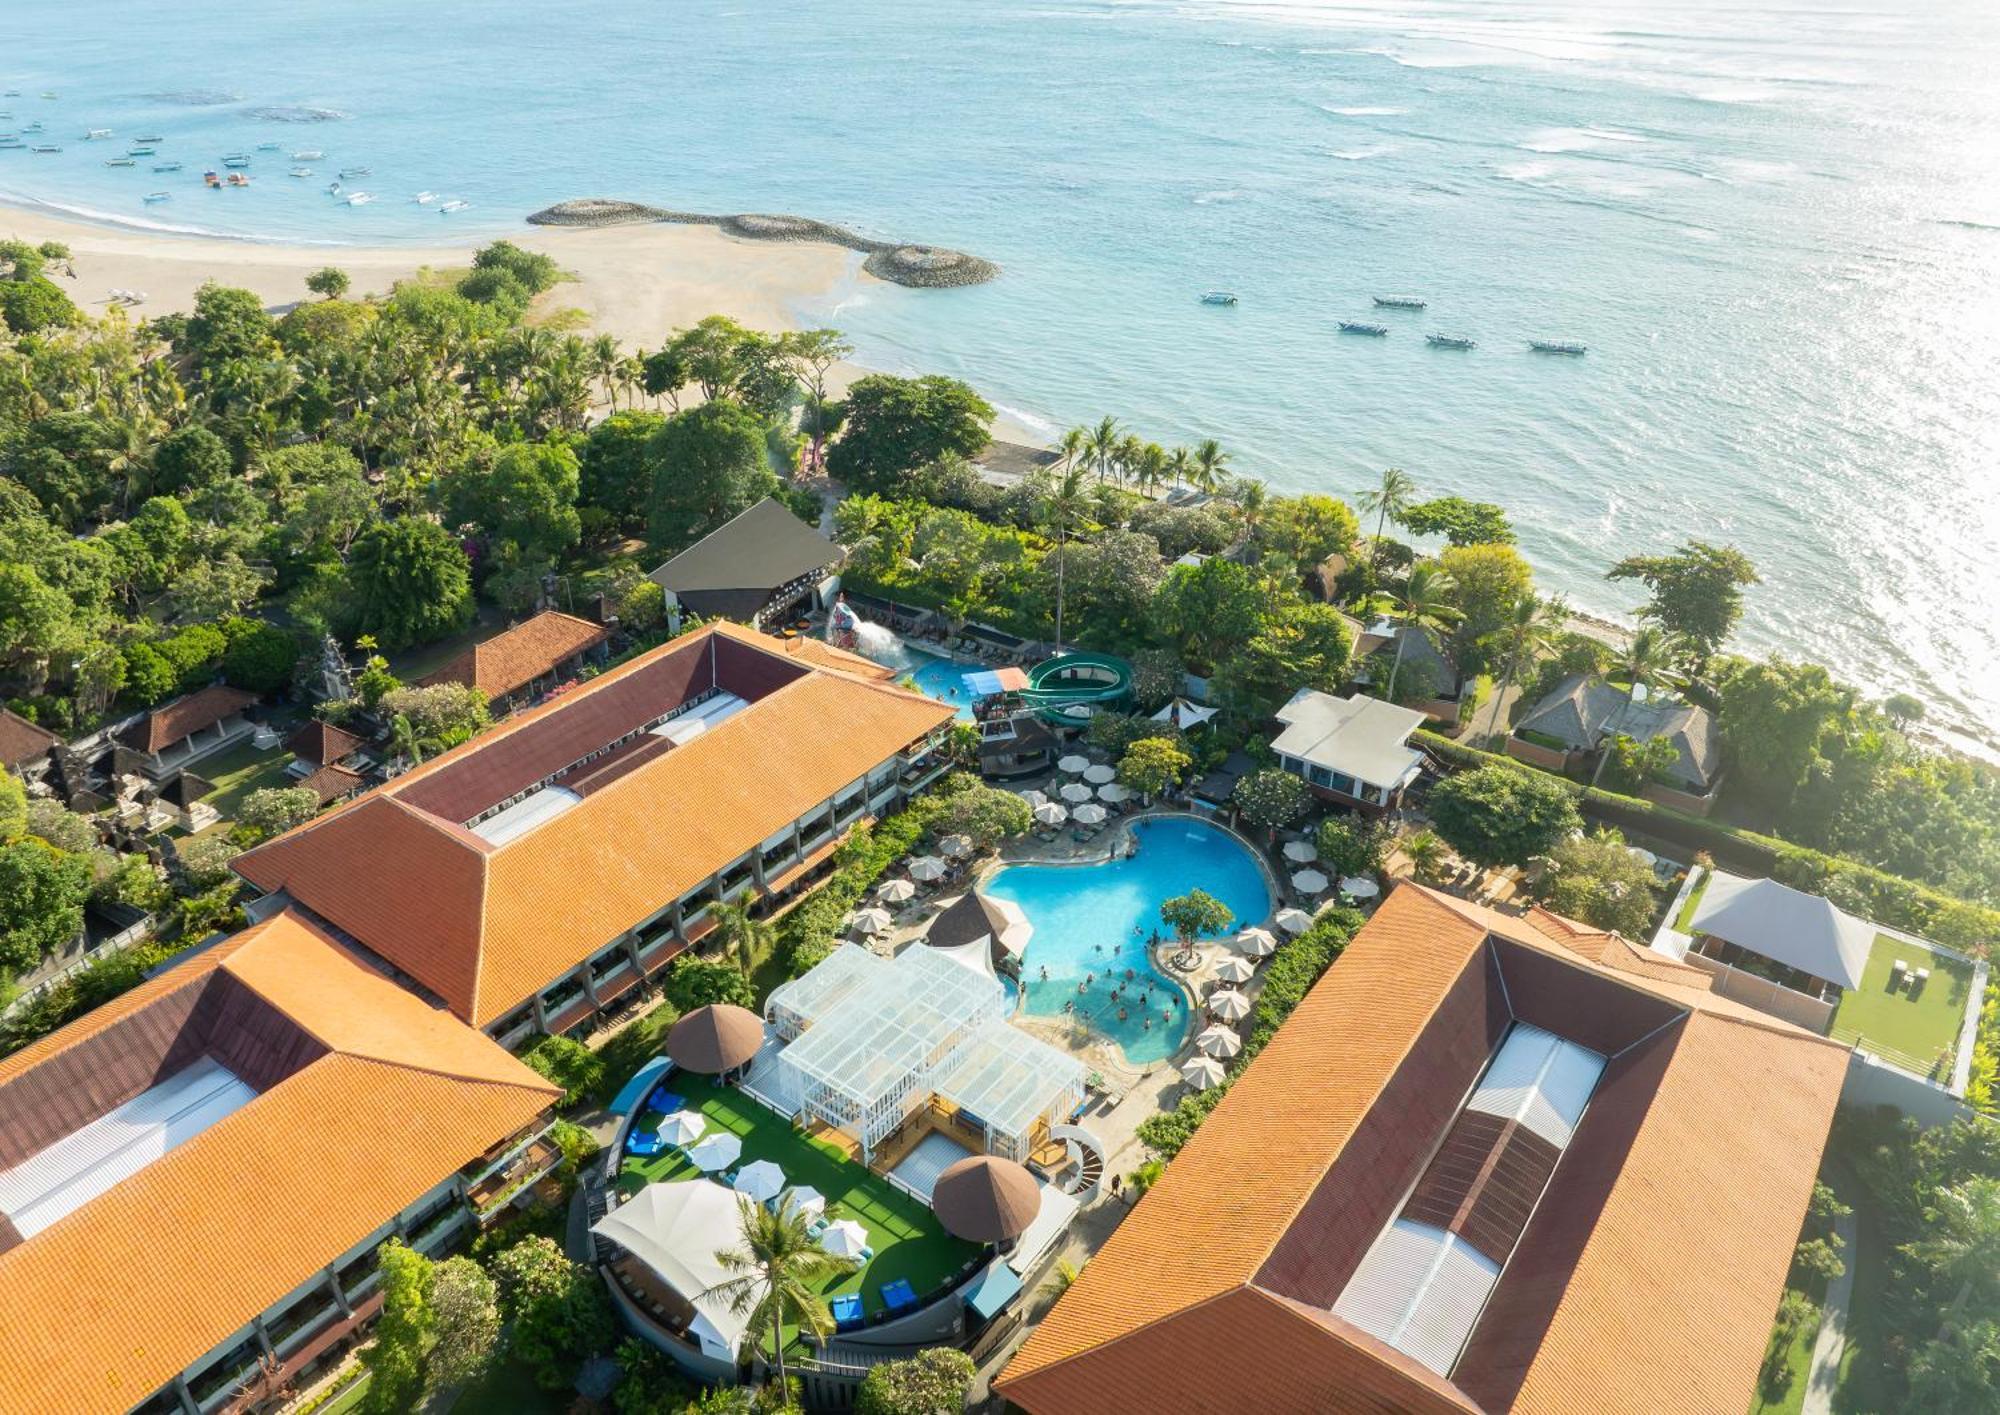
(1011, 1086)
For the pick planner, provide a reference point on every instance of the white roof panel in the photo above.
(525, 814)
(1355, 736)
(1540, 1080)
(1419, 1289)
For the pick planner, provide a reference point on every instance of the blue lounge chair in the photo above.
(665, 1102)
(846, 1310)
(640, 1142)
(898, 1295)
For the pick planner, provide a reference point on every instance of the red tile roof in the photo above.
(184, 716)
(485, 926)
(333, 783)
(516, 657)
(1692, 1209)
(21, 740)
(322, 744)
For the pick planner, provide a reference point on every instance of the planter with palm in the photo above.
(778, 1268)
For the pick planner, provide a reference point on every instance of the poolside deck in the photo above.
(908, 1241)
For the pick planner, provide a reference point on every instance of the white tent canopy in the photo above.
(676, 1229)
(1184, 714)
(1785, 925)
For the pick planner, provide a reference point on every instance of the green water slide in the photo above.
(1072, 687)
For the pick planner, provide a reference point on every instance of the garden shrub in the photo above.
(569, 1064)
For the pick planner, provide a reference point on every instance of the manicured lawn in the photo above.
(907, 1238)
(347, 1400)
(1684, 920)
(508, 1389)
(236, 773)
(1790, 1394)
(1909, 1031)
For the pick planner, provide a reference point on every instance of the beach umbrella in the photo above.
(1076, 791)
(1101, 775)
(1309, 881)
(804, 1199)
(1049, 813)
(1218, 1040)
(986, 1199)
(716, 1038)
(1300, 852)
(1229, 1004)
(1644, 857)
(1360, 887)
(1294, 921)
(1201, 1072)
(1090, 814)
(896, 891)
(683, 1127)
(1232, 969)
(1256, 943)
(872, 921)
(760, 1180)
(955, 847)
(1034, 798)
(1114, 794)
(927, 868)
(1073, 765)
(718, 1151)
(844, 1238)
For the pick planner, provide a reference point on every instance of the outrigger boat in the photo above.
(1400, 302)
(349, 173)
(149, 137)
(270, 147)
(1218, 297)
(1352, 326)
(159, 196)
(1555, 346)
(139, 152)
(360, 199)
(309, 154)
(302, 171)
(45, 147)
(424, 198)
(237, 179)
(236, 159)
(120, 162)
(166, 167)
(97, 135)
(1449, 341)
(454, 205)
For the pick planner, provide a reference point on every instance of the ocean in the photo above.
(1776, 227)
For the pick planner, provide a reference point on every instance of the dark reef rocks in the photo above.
(925, 267)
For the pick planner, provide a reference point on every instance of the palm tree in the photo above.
(1209, 462)
(1530, 623)
(1063, 506)
(1253, 501)
(1071, 447)
(1422, 606)
(1963, 1240)
(605, 357)
(1149, 469)
(738, 932)
(1644, 662)
(777, 1267)
(1391, 497)
(1131, 452)
(405, 740)
(1426, 851)
(1100, 446)
(1179, 467)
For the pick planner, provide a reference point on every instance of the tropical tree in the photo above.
(404, 1331)
(1152, 765)
(329, 282)
(778, 1266)
(1064, 504)
(1528, 626)
(1962, 1245)
(742, 935)
(1100, 446)
(1503, 814)
(1193, 916)
(556, 1311)
(1597, 880)
(933, 1382)
(1210, 461)
(406, 739)
(1422, 606)
(1644, 661)
(1271, 799)
(1958, 1371)
(1387, 499)
(1697, 593)
(1426, 852)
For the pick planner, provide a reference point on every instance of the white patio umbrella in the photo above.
(1201, 1072)
(1218, 1040)
(1309, 881)
(1049, 813)
(844, 1238)
(1256, 943)
(872, 921)
(955, 847)
(896, 891)
(717, 1151)
(1073, 765)
(1360, 887)
(1090, 813)
(804, 1199)
(1114, 794)
(1100, 775)
(1229, 1004)
(926, 868)
(1034, 798)
(683, 1127)
(760, 1180)
(1232, 969)
(1644, 857)
(1300, 852)
(1294, 921)
(1076, 791)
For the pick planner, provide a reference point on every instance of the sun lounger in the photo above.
(898, 1296)
(846, 1310)
(665, 1102)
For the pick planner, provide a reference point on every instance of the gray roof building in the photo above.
(1584, 711)
(743, 565)
(1777, 922)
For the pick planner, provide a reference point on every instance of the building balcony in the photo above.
(525, 1167)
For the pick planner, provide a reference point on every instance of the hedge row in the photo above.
(1862, 889)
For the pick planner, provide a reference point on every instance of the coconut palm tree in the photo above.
(1427, 853)
(1391, 497)
(1529, 625)
(1071, 447)
(738, 932)
(1063, 508)
(777, 1266)
(1179, 466)
(1422, 606)
(1645, 661)
(1209, 462)
(1149, 468)
(407, 740)
(1131, 451)
(1100, 446)
(1253, 503)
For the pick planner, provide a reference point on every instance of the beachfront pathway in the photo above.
(1823, 1371)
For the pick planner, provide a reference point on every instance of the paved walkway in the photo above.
(1823, 1371)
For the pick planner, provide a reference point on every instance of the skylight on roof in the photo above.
(536, 808)
(1540, 1080)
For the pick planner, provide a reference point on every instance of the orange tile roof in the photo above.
(487, 926)
(1204, 1232)
(184, 716)
(516, 657)
(22, 740)
(119, 1296)
(330, 783)
(322, 744)
(821, 654)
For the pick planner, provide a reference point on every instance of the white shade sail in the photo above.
(718, 1151)
(1201, 1072)
(676, 1230)
(1229, 1004)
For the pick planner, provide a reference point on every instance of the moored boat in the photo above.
(1355, 326)
(212, 177)
(120, 162)
(424, 198)
(454, 205)
(302, 171)
(45, 147)
(237, 179)
(307, 154)
(1449, 341)
(236, 159)
(141, 151)
(360, 198)
(349, 173)
(270, 147)
(166, 167)
(159, 196)
(1400, 302)
(1555, 346)
(149, 137)
(97, 135)
(1218, 297)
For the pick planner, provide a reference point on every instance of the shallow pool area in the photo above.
(1092, 924)
(933, 675)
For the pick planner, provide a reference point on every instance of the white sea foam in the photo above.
(1364, 111)
(1212, 198)
(1362, 154)
(1578, 139)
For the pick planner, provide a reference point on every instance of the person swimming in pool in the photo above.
(1145, 1024)
(1121, 1014)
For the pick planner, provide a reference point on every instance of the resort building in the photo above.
(1429, 679)
(1580, 717)
(533, 876)
(760, 568)
(1354, 751)
(195, 1177)
(162, 740)
(518, 664)
(1489, 1164)
(25, 746)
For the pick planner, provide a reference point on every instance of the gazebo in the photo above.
(1013, 1086)
(986, 1200)
(715, 1039)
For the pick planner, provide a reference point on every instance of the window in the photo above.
(1320, 776)
(1345, 785)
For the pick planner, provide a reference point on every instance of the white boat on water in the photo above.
(309, 154)
(359, 199)
(270, 147)
(1400, 302)
(333, 189)
(1449, 341)
(424, 198)
(351, 172)
(1556, 346)
(159, 196)
(454, 205)
(1218, 297)
(97, 135)
(302, 171)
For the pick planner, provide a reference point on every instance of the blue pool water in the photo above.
(931, 675)
(1085, 917)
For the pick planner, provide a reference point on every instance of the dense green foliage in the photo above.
(894, 426)
(1499, 815)
(566, 1063)
(1597, 880)
(557, 1312)
(932, 1382)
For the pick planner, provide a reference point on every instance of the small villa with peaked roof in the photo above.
(758, 568)
(24, 745)
(1354, 751)
(162, 740)
(516, 663)
(1581, 715)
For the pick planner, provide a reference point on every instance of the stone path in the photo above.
(1823, 1371)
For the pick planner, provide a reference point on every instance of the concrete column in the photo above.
(582, 975)
(541, 1015)
(263, 1337)
(185, 1396)
(339, 1297)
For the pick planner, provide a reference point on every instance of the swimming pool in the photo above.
(933, 675)
(1092, 923)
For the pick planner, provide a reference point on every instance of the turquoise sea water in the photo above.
(1092, 923)
(1778, 229)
